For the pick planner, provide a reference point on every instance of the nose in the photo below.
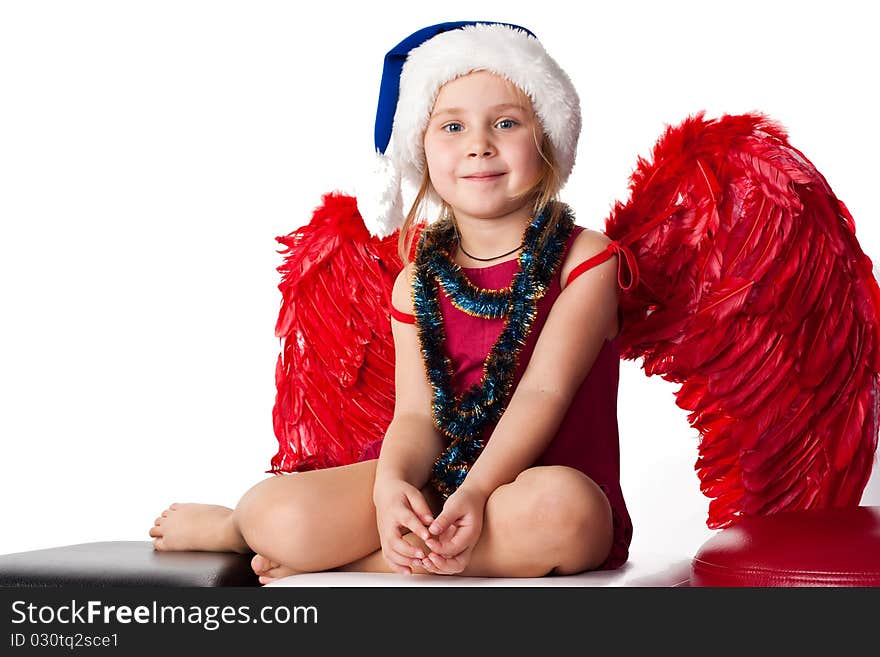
(486, 153)
(480, 145)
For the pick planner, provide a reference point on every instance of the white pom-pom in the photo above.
(379, 198)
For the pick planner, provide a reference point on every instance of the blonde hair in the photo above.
(545, 195)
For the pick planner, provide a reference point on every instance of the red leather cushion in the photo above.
(835, 547)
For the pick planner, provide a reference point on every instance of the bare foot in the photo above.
(206, 527)
(269, 571)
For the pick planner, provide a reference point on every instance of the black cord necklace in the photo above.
(487, 259)
(458, 238)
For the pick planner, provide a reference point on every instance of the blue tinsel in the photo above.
(464, 419)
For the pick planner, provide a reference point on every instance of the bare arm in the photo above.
(409, 449)
(412, 442)
(410, 445)
(570, 341)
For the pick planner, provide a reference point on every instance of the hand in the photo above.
(457, 530)
(400, 508)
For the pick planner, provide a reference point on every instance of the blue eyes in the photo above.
(511, 123)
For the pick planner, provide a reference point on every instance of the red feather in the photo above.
(335, 374)
(755, 295)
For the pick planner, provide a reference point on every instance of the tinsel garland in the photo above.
(464, 418)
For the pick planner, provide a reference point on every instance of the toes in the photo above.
(174, 506)
(155, 532)
(158, 521)
(259, 564)
(159, 544)
(277, 570)
(164, 514)
(266, 580)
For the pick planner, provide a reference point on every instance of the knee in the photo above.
(568, 509)
(269, 513)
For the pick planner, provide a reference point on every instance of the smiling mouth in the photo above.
(484, 178)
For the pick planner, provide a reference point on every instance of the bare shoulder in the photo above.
(412, 390)
(587, 244)
(401, 293)
(598, 287)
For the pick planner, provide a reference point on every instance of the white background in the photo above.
(151, 152)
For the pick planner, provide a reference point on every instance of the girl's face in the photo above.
(480, 146)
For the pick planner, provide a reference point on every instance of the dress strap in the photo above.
(626, 256)
(402, 316)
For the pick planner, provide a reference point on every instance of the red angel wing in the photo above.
(335, 374)
(753, 293)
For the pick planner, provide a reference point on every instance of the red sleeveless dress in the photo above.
(587, 439)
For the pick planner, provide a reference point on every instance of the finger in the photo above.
(407, 550)
(426, 564)
(394, 558)
(434, 563)
(460, 541)
(449, 516)
(398, 551)
(400, 566)
(441, 523)
(435, 545)
(420, 508)
(444, 565)
(442, 543)
(430, 563)
(412, 523)
(459, 562)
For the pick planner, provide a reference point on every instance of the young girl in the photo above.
(502, 455)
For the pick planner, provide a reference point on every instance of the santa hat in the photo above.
(413, 73)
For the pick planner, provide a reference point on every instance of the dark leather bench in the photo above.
(124, 563)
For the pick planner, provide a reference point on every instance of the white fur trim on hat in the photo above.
(379, 197)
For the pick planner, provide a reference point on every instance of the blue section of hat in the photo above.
(389, 88)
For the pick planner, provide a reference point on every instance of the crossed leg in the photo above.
(551, 519)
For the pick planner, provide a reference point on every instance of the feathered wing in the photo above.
(335, 373)
(752, 292)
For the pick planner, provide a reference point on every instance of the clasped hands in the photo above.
(450, 537)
